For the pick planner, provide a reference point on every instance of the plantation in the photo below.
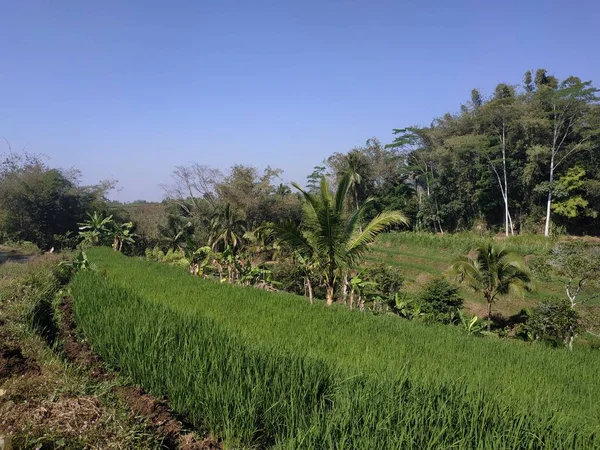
(270, 370)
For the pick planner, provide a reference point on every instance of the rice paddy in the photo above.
(268, 370)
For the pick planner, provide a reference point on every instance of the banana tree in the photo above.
(96, 229)
(123, 234)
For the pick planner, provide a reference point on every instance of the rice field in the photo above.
(268, 370)
(422, 256)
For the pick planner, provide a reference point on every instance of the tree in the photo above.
(123, 234)
(499, 118)
(227, 230)
(565, 110)
(40, 204)
(192, 186)
(441, 301)
(555, 322)
(578, 263)
(329, 236)
(493, 272)
(176, 233)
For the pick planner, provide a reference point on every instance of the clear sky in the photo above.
(130, 89)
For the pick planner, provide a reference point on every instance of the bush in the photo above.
(553, 321)
(440, 301)
(388, 281)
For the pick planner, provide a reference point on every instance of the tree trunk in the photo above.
(309, 288)
(548, 207)
(489, 316)
(330, 289)
(351, 298)
(571, 338)
(345, 289)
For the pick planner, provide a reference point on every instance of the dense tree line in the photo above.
(520, 160)
(44, 205)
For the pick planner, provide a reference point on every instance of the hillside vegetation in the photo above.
(423, 256)
(266, 369)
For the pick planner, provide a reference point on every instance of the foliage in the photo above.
(172, 257)
(513, 160)
(226, 230)
(329, 238)
(39, 204)
(493, 271)
(441, 301)
(472, 325)
(97, 229)
(80, 263)
(123, 235)
(553, 321)
(579, 263)
(260, 369)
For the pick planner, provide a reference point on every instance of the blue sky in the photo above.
(129, 90)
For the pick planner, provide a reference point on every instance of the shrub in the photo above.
(553, 321)
(387, 282)
(440, 301)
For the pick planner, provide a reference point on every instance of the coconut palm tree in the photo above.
(329, 240)
(227, 230)
(494, 272)
(177, 232)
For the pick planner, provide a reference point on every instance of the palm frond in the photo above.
(358, 243)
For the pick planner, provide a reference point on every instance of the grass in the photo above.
(270, 370)
(56, 405)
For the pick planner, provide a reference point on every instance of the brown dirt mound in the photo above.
(13, 363)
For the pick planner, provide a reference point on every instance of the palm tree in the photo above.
(493, 272)
(226, 230)
(328, 239)
(176, 234)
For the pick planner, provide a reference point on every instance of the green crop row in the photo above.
(525, 244)
(267, 370)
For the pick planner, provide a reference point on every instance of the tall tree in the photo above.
(564, 110)
(330, 236)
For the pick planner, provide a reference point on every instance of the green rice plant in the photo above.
(268, 370)
(524, 244)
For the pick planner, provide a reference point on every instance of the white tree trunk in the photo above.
(549, 202)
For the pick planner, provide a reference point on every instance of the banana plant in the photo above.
(472, 325)
(359, 286)
(123, 234)
(407, 307)
(96, 229)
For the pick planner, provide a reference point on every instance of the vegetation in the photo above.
(553, 321)
(329, 240)
(46, 401)
(499, 184)
(267, 369)
(43, 205)
(492, 272)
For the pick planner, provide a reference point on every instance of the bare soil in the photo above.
(13, 363)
